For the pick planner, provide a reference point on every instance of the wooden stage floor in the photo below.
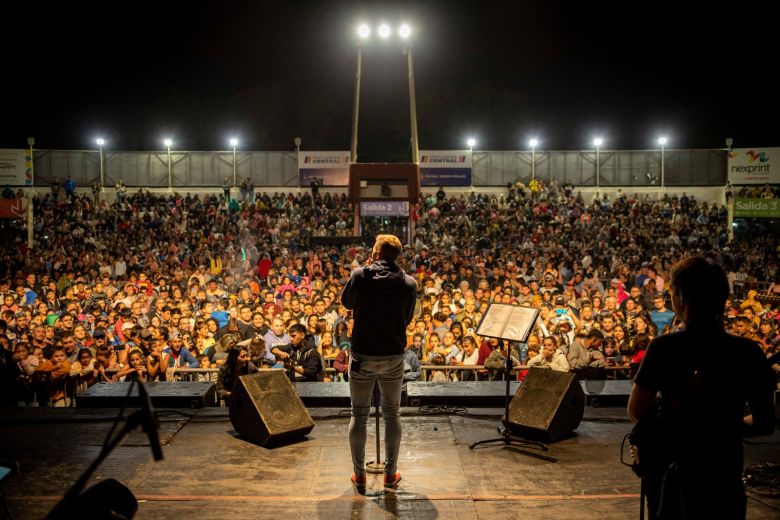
(209, 472)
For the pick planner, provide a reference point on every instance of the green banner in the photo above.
(757, 208)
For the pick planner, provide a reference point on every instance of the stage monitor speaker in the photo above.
(548, 405)
(265, 409)
(175, 394)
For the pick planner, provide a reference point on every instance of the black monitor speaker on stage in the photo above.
(548, 406)
(264, 408)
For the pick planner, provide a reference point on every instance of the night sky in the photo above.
(503, 72)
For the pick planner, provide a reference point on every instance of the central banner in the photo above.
(445, 167)
(327, 168)
(437, 168)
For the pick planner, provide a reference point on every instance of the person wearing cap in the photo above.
(300, 356)
(562, 309)
(577, 351)
(178, 355)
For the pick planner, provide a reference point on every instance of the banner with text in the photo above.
(389, 208)
(445, 167)
(754, 166)
(328, 168)
(15, 167)
(757, 208)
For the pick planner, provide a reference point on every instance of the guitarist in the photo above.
(690, 392)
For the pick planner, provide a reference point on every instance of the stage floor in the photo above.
(209, 472)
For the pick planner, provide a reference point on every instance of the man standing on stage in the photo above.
(382, 297)
(696, 414)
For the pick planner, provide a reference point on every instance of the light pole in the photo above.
(662, 143)
(597, 142)
(405, 33)
(234, 143)
(168, 143)
(100, 142)
(533, 143)
(471, 142)
(364, 32)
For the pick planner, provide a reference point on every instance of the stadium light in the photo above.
(234, 143)
(100, 142)
(597, 142)
(384, 31)
(662, 143)
(168, 143)
(533, 143)
(471, 142)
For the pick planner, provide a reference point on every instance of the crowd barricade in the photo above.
(211, 374)
(742, 287)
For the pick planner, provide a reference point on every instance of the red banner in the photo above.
(12, 208)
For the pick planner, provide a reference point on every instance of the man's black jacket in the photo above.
(307, 357)
(382, 297)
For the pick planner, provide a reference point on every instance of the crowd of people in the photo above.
(149, 287)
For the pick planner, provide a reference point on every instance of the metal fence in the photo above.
(490, 168)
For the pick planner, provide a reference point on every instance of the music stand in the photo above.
(513, 323)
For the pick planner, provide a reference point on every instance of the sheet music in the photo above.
(508, 322)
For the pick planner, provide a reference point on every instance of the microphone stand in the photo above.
(69, 506)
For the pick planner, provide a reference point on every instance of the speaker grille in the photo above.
(547, 405)
(265, 408)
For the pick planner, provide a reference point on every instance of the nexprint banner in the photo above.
(15, 167)
(445, 167)
(328, 168)
(754, 166)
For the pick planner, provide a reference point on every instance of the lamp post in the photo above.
(533, 143)
(364, 32)
(168, 143)
(597, 142)
(471, 142)
(662, 143)
(234, 143)
(405, 32)
(100, 142)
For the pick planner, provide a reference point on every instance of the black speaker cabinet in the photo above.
(178, 394)
(548, 405)
(265, 409)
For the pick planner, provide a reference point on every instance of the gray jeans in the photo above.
(364, 372)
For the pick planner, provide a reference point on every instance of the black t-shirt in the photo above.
(705, 378)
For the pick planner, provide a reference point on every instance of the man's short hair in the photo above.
(296, 328)
(702, 285)
(388, 247)
(594, 334)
